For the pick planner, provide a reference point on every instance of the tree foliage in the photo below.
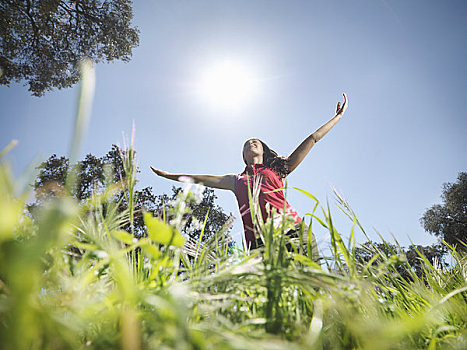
(449, 219)
(434, 254)
(92, 174)
(216, 219)
(42, 41)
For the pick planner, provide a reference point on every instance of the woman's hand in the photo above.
(302, 150)
(160, 172)
(340, 110)
(223, 182)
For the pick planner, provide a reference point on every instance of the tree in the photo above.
(432, 253)
(449, 219)
(42, 41)
(53, 172)
(216, 218)
(91, 177)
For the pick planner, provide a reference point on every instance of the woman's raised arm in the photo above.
(223, 182)
(302, 150)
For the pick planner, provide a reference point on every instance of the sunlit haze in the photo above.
(210, 74)
(227, 85)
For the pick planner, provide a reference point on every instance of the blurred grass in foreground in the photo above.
(72, 278)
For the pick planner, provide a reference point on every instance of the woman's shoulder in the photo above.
(272, 175)
(261, 169)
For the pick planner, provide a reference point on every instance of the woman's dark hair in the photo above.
(273, 161)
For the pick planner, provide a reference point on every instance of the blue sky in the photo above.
(402, 64)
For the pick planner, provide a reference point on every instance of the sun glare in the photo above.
(227, 85)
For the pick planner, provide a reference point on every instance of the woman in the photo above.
(265, 168)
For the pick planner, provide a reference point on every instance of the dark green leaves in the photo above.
(42, 42)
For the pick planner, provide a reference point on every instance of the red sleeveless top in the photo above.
(263, 181)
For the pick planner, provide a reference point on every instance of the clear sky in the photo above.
(402, 64)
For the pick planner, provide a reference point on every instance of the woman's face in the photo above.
(252, 148)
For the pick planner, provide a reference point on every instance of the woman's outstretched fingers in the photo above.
(158, 172)
(341, 110)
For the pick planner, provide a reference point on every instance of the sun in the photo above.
(227, 85)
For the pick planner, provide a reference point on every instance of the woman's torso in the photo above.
(263, 182)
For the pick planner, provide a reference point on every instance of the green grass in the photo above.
(108, 296)
(72, 278)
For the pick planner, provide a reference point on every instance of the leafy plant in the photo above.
(164, 290)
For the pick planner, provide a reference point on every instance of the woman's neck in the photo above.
(255, 160)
